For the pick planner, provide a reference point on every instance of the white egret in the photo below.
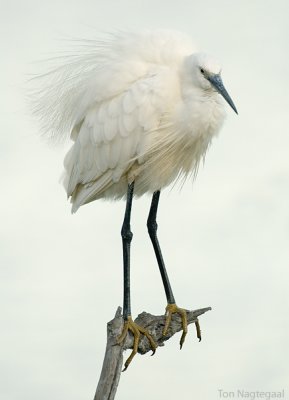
(141, 109)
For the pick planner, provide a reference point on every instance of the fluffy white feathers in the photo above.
(133, 112)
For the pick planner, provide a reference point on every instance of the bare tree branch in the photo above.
(113, 358)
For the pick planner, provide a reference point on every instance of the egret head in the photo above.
(207, 75)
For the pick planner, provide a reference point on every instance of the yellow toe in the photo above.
(137, 331)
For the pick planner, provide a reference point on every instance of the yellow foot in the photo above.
(130, 325)
(174, 309)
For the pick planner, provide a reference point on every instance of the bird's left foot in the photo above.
(174, 309)
(136, 330)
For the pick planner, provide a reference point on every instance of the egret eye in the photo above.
(202, 70)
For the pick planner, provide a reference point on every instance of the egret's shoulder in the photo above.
(100, 69)
(153, 46)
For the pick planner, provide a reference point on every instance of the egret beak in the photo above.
(217, 82)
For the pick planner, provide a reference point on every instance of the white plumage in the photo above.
(138, 106)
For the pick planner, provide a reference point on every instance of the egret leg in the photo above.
(129, 324)
(152, 229)
(171, 308)
(127, 235)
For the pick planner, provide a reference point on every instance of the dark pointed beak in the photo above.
(217, 82)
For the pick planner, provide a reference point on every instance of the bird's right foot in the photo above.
(136, 330)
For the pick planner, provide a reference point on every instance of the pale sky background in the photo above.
(225, 238)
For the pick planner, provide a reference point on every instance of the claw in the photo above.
(130, 325)
(198, 329)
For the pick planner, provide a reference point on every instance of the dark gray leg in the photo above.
(152, 229)
(126, 241)
(129, 324)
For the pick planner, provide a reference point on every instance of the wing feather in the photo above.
(115, 151)
(129, 103)
(112, 137)
(110, 128)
